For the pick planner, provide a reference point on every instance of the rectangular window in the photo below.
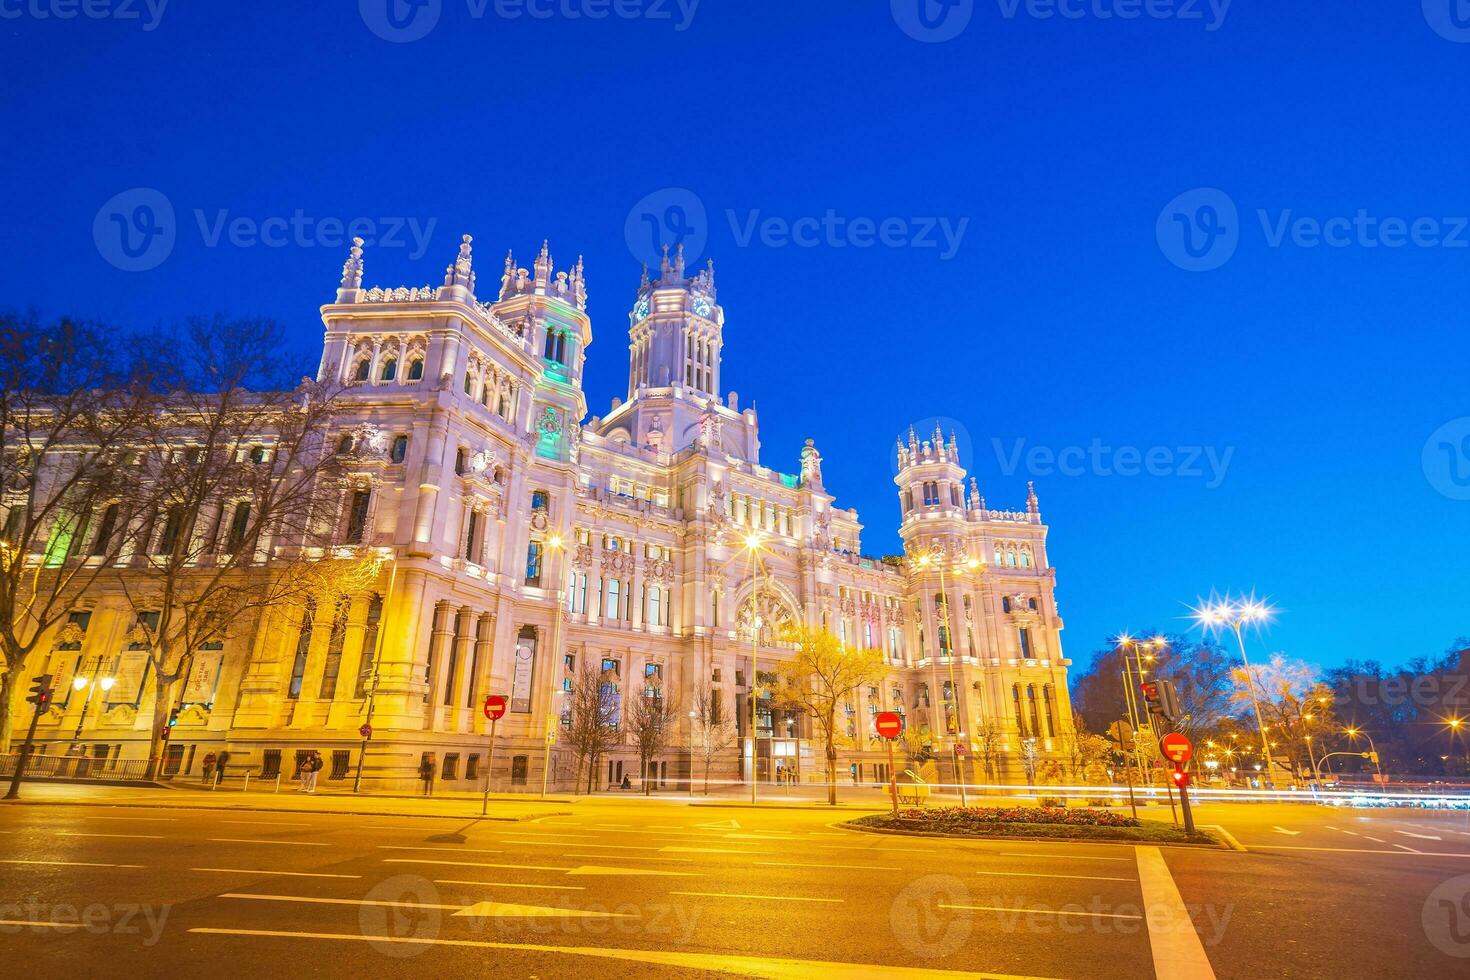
(105, 530)
(238, 527)
(369, 647)
(172, 523)
(1025, 635)
(613, 587)
(333, 664)
(472, 534)
(357, 514)
(303, 644)
(656, 606)
(533, 563)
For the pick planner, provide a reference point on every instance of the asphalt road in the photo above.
(624, 888)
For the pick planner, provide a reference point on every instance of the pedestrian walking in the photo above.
(309, 769)
(219, 766)
(207, 772)
(426, 773)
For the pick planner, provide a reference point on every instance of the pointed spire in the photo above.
(679, 261)
(352, 269)
(976, 501)
(462, 272)
(643, 283)
(543, 264)
(508, 277)
(579, 284)
(664, 267)
(1033, 506)
(913, 440)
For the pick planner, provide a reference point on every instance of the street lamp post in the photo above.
(1377, 760)
(89, 685)
(553, 544)
(1235, 615)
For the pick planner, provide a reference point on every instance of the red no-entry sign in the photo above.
(495, 706)
(1176, 748)
(888, 724)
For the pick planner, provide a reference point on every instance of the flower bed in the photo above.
(1057, 823)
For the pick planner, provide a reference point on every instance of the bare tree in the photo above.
(714, 731)
(248, 513)
(72, 404)
(823, 676)
(988, 736)
(1030, 758)
(653, 719)
(593, 723)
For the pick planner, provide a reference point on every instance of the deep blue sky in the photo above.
(1060, 320)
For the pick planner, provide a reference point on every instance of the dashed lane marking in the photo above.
(835, 867)
(1283, 830)
(259, 871)
(1001, 908)
(68, 833)
(1063, 856)
(1409, 833)
(28, 923)
(1034, 874)
(762, 898)
(441, 848)
(251, 840)
(70, 864)
(510, 884)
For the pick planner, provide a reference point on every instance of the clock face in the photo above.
(641, 310)
(702, 306)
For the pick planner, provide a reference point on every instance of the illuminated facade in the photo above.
(526, 543)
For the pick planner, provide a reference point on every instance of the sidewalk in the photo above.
(456, 806)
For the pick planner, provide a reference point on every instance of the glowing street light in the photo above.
(1237, 614)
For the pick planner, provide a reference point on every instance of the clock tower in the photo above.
(675, 335)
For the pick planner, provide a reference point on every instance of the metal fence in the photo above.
(76, 767)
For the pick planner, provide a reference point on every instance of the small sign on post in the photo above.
(495, 707)
(366, 731)
(889, 726)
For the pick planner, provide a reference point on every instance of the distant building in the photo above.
(526, 543)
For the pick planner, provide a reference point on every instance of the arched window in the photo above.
(1010, 558)
(1020, 718)
(1025, 558)
(390, 369)
(1051, 718)
(416, 369)
(399, 451)
(1035, 713)
(998, 558)
(459, 461)
(363, 367)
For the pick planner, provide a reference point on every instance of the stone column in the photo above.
(344, 704)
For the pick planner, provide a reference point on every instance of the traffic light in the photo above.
(40, 694)
(1162, 699)
(173, 717)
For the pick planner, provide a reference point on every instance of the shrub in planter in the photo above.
(1060, 801)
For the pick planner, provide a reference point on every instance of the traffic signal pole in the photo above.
(40, 697)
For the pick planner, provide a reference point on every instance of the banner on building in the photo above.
(520, 682)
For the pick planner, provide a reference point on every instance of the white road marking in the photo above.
(1406, 847)
(70, 864)
(1066, 857)
(474, 864)
(98, 816)
(681, 849)
(1177, 950)
(68, 833)
(1364, 850)
(247, 840)
(505, 910)
(509, 884)
(1375, 840)
(629, 857)
(258, 871)
(722, 825)
(835, 867)
(1407, 833)
(749, 966)
(40, 925)
(596, 870)
(1034, 874)
(1283, 830)
(442, 848)
(999, 908)
(609, 847)
(762, 898)
(263, 823)
(305, 900)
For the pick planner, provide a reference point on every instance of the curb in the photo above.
(810, 807)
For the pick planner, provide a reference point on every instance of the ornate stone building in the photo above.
(523, 543)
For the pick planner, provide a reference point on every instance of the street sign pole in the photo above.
(889, 725)
(1183, 778)
(42, 700)
(892, 779)
(489, 768)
